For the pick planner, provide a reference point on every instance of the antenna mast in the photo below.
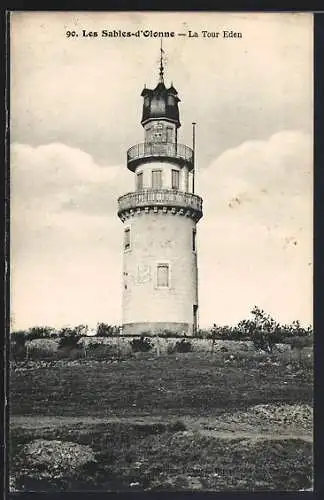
(194, 155)
(161, 63)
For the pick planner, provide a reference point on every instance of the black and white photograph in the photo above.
(161, 251)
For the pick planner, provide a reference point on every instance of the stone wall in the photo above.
(160, 344)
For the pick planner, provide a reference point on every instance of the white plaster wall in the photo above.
(159, 238)
(166, 168)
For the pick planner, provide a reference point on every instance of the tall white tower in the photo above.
(160, 274)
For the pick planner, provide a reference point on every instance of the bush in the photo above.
(300, 342)
(19, 338)
(40, 332)
(69, 337)
(261, 340)
(141, 344)
(68, 353)
(178, 426)
(183, 346)
(170, 349)
(17, 351)
(18, 346)
(102, 351)
(105, 330)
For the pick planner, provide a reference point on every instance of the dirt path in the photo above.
(256, 436)
(209, 427)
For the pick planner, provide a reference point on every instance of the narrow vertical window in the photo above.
(194, 240)
(163, 275)
(140, 181)
(156, 179)
(169, 134)
(175, 179)
(127, 239)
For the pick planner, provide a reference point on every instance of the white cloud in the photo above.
(256, 236)
(65, 236)
(254, 241)
(86, 92)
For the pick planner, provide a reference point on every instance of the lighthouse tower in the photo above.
(160, 274)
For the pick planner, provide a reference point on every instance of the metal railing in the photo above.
(158, 197)
(179, 152)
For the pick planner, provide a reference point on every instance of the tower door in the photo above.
(195, 318)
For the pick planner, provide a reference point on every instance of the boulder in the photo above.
(54, 458)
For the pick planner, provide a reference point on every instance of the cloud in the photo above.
(256, 235)
(85, 93)
(65, 236)
(254, 241)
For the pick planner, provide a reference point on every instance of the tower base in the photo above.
(160, 328)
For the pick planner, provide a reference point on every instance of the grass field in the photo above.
(179, 422)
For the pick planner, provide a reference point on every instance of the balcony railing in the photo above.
(160, 197)
(159, 150)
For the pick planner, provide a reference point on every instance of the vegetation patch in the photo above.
(127, 456)
(141, 344)
(185, 384)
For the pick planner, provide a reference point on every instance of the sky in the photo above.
(75, 109)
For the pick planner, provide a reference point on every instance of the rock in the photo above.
(57, 458)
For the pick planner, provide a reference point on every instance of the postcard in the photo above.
(161, 184)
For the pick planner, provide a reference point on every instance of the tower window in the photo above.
(156, 179)
(194, 240)
(169, 134)
(158, 132)
(140, 181)
(127, 239)
(163, 275)
(175, 179)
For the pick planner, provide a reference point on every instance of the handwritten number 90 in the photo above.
(70, 33)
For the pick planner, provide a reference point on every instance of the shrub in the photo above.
(18, 346)
(105, 330)
(183, 346)
(39, 332)
(141, 344)
(101, 351)
(69, 337)
(170, 349)
(17, 351)
(300, 342)
(178, 426)
(19, 338)
(69, 342)
(68, 353)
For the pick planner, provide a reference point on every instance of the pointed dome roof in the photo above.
(160, 102)
(172, 90)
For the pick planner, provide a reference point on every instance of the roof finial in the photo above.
(161, 63)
